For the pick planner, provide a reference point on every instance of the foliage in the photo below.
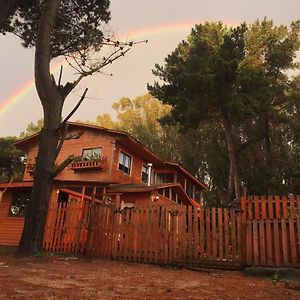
(32, 128)
(231, 86)
(11, 160)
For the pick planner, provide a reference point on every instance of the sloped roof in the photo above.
(124, 139)
(186, 173)
(140, 188)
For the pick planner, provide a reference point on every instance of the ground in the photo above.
(54, 277)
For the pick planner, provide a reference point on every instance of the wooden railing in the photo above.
(88, 164)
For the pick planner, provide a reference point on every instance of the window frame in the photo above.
(119, 163)
(147, 168)
(91, 148)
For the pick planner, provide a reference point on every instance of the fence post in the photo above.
(244, 228)
(90, 226)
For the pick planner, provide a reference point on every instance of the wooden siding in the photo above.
(135, 175)
(89, 139)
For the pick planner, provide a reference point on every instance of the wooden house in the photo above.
(108, 162)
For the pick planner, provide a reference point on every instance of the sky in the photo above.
(165, 23)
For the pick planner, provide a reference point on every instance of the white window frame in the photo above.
(119, 162)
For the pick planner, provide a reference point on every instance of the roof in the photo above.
(186, 173)
(16, 184)
(124, 139)
(140, 188)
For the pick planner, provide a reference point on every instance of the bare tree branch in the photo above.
(60, 75)
(63, 129)
(75, 108)
(62, 166)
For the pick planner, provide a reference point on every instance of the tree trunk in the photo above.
(234, 168)
(52, 101)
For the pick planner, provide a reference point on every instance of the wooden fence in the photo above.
(66, 226)
(265, 232)
(271, 231)
(165, 234)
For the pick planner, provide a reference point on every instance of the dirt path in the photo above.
(56, 278)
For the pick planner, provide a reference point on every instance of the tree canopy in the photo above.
(234, 79)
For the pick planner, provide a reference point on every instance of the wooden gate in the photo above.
(271, 230)
(66, 225)
(165, 234)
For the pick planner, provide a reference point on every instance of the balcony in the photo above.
(84, 165)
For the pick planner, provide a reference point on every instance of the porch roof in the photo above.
(139, 188)
(16, 184)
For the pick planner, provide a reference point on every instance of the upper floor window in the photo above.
(91, 153)
(19, 203)
(125, 162)
(145, 174)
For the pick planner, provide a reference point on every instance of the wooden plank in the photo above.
(165, 225)
(262, 242)
(208, 232)
(249, 238)
(250, 203)
(255, 243)
(276, 244)
(298, 204)
(214, 232)
(149, 235)
(138, 225)
(156, 235)
(196, 233)
(256, 208)
(292, 207)
(293, 241)
(201, 232)
(226, 234)
(244, 227)
(190, 242)
(284, 242)
(278, 207)
(269, 241)
(182, 230)
(220, 234)
(298, 234)
(233, 234)
(284, 208)
(174, 245)
(263, 208)
(239, 238)
(270, 208)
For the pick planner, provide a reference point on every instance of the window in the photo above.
(19, 203)
(145, 174)
(91, 153)
(124, 162)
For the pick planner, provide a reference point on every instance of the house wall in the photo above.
(110, 150)
(10, 227)
(89, 139)
(135, 175)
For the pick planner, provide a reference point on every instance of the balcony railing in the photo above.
(93, 164)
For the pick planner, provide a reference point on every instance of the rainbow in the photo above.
(144, 33)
